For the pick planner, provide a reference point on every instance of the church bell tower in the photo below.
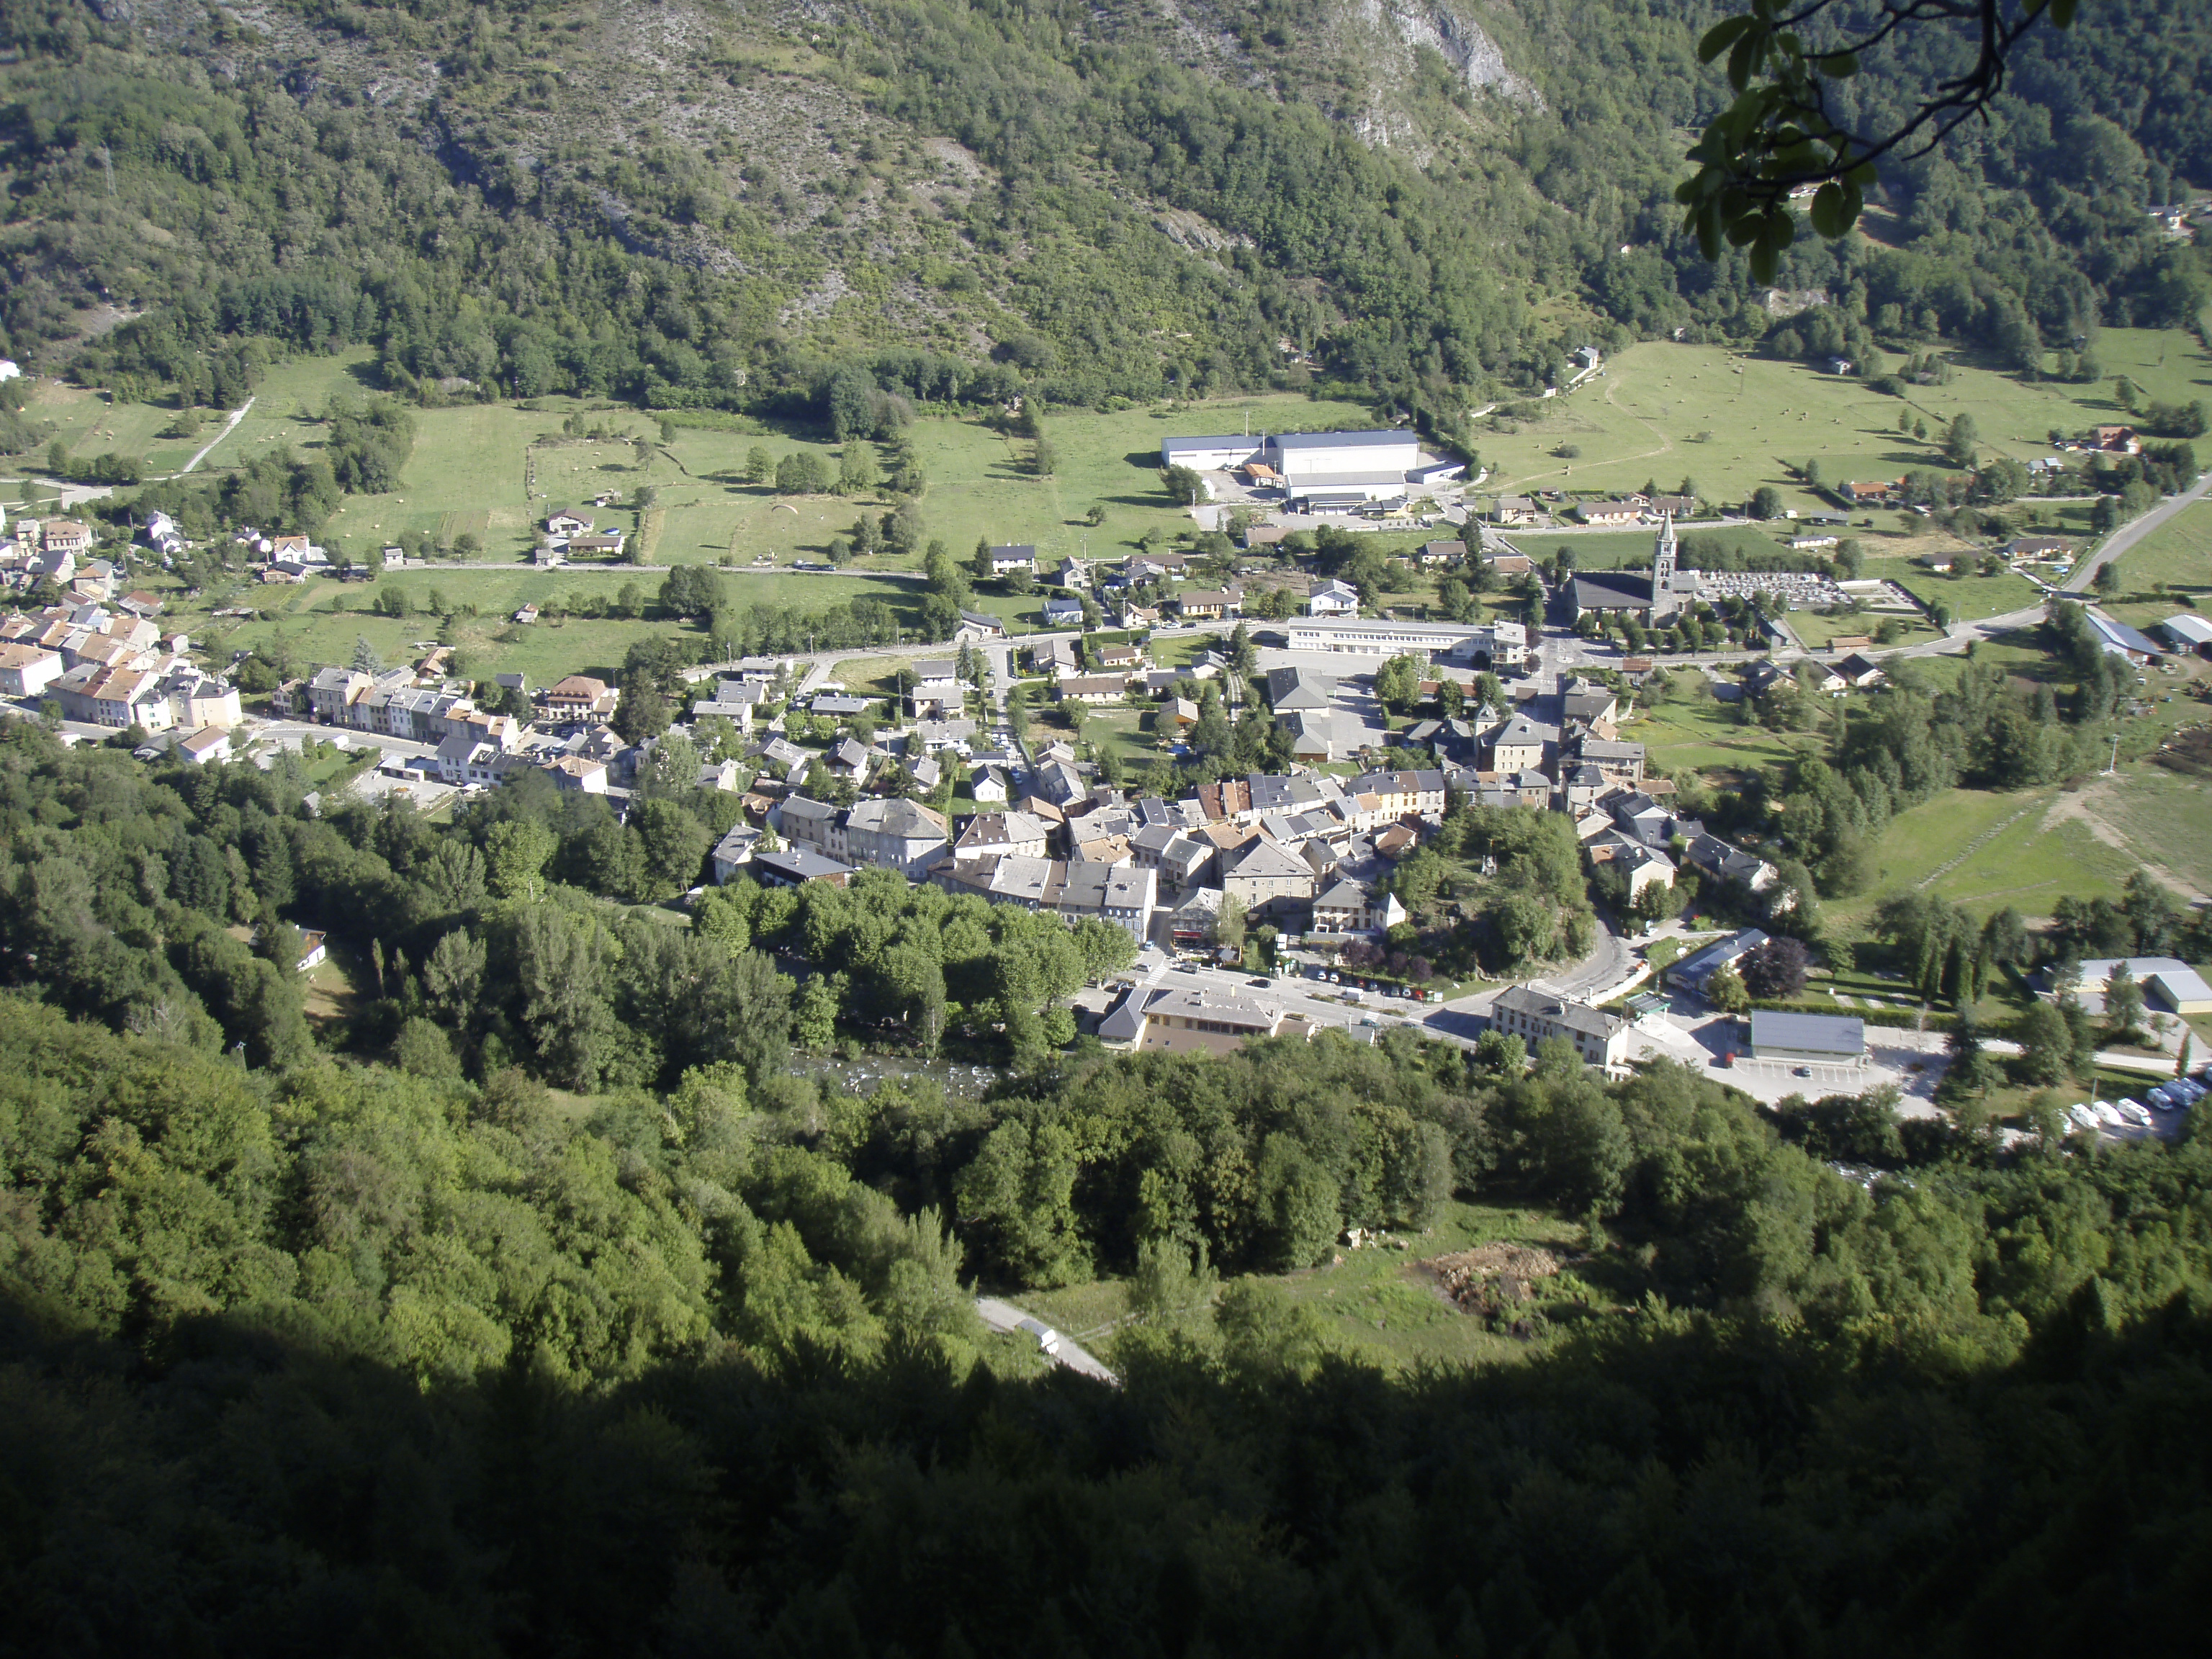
(1663, 557)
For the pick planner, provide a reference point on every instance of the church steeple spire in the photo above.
(1663, 557)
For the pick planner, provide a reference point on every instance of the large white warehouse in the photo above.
(1310, 457)
(1210, 454)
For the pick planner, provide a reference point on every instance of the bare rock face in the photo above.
(1398, 28)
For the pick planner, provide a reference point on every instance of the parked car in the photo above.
(2135, 1113)
(1182, 967)
(1261, 980)
(2161, 1099)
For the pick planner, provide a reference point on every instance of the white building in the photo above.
(1334, 599)
(1522, 1010)
(1211, 454)
(1308, 458)
(1501, 644)
(27, 670)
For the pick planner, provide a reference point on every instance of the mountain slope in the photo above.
(710, 203)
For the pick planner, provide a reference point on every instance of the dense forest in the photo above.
(192, 180)
(379, 1341)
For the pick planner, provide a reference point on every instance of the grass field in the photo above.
(88, 424)
(1816, 630)
(1984, 851)
(1378, 1304)
(1694, 732)
(1640, 421)
(322, 619)
(2178, 554)
(1970, 597)
(2163, 817)
(1605, 550)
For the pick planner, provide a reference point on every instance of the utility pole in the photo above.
(2115, 766)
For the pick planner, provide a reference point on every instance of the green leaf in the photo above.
(1841, 65)
(1827, 210)
(1719, 37)
(1741, 61)
(2061, 13)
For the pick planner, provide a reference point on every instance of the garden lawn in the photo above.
(1118, 729)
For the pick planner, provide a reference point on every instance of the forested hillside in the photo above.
(377, 1340)
(694, 203)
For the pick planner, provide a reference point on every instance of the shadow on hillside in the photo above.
(248, 1484)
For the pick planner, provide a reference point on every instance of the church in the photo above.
(1654, 601)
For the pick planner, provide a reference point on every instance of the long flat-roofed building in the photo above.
(1500, 644)
(1211, 454)
(1826, 1039)
(1304, 457)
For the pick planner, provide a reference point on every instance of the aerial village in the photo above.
(1525, 716)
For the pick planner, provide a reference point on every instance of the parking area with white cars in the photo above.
(2159, 1110)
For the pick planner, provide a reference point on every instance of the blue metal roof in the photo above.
(2120, 634)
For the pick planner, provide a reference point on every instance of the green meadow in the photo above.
(2176, 556)
(1661, 412)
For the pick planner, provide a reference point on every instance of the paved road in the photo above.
(1611, 960)
(291, 733)
(2128, 534)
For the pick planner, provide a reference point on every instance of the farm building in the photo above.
(2189, 633)
(2165, 980)
(2121, 640)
